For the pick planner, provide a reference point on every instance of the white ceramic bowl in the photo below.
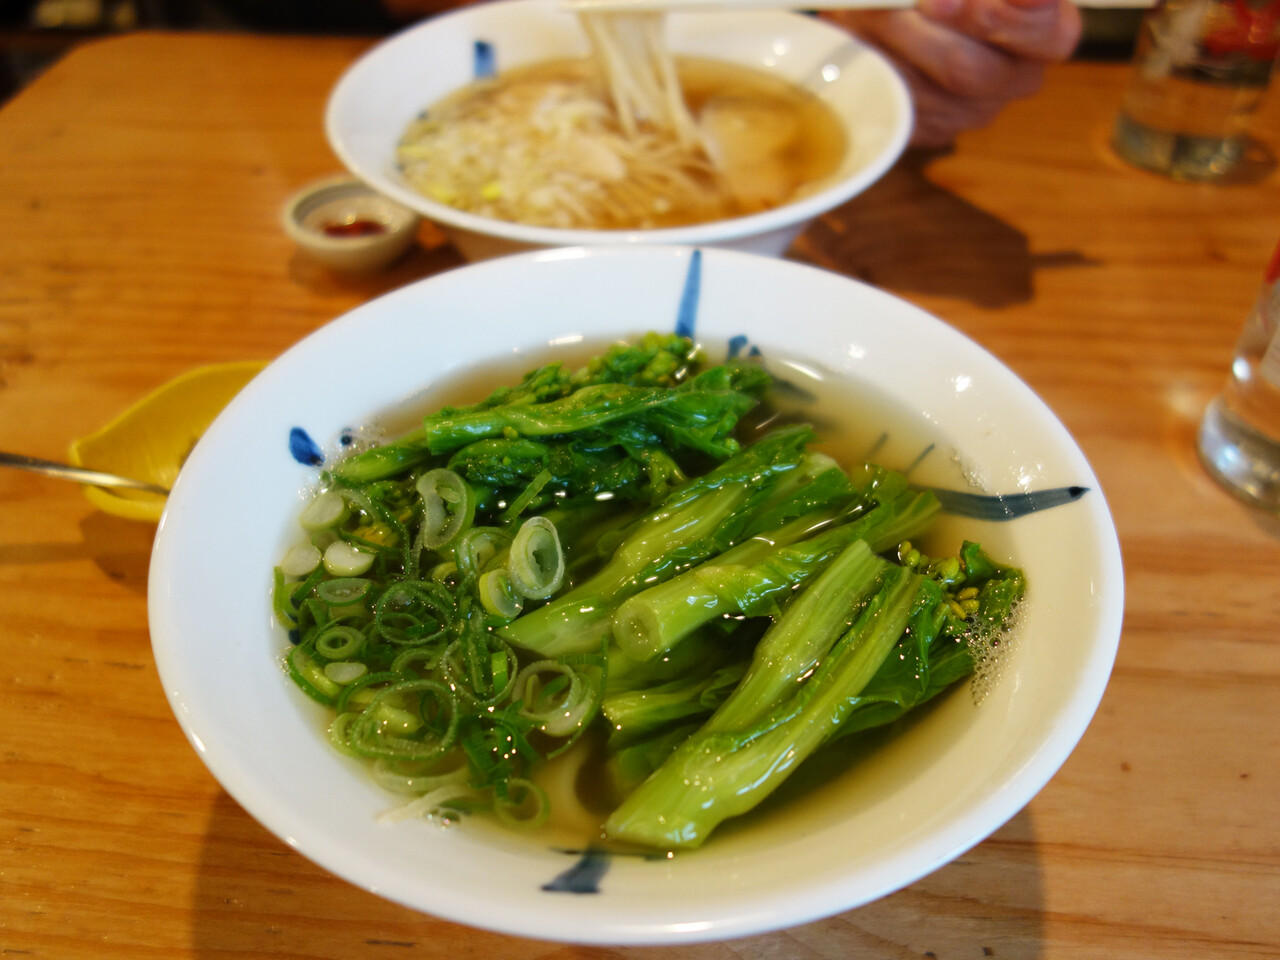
(333, 202)
(940, 786)
(381, 93)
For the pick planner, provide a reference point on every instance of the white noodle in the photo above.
(551, 151)
(631, 50)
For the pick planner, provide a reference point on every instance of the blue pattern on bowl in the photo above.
(303, 449)
(584, 876)
(484, 59)
(687, 315)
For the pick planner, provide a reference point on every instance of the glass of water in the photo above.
(1200, 70)
(1240, 433)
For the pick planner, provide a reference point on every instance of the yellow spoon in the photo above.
(150, 441)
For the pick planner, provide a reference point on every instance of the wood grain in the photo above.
(140, 184)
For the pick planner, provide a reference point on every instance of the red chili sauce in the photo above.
(354, 228)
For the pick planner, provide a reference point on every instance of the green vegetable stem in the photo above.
(811, 681)
(704, 517)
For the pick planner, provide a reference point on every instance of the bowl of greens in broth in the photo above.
(635, 595)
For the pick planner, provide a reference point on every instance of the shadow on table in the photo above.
(432, 254)
(256, 897)
(121, 549)
(905, 234)
(908, 235)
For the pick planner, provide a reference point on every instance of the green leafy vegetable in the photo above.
(599, 549)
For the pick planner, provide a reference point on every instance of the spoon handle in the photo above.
(699, 6)
(65, 471)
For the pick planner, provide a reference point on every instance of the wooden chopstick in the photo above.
(702, 6)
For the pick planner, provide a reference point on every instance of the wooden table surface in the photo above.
(141, 180)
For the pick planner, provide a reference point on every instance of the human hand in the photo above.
(965, 60)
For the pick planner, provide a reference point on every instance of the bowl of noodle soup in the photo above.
(526, 195)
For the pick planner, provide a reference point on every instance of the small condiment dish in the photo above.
(348, 226)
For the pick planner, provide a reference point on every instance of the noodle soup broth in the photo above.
(540, 145)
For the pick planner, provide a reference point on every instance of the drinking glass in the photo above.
(1200, 70)
(1240, 433)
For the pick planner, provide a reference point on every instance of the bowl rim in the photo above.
(718, 231)
(571, 921)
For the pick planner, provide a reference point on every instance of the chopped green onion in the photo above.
(406, 663)
(360, 693)
(463, 665)
(339, 642)
(301, 560)
(525, 804)
(392, 719)
(309, 675)
(322, 538)
(326, 510)
(287, 598)
(477, 547)
(498, 594)
(282, 600)
(443, 571)
(542, 702)
(536, 561)
(340, 732)
(344, 590)
(343, 672)
(373, 733)
(500, 662)
(344, 560)
(448, 506)
(413, 612)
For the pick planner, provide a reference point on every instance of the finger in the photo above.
(941, 115)
(948, 59)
